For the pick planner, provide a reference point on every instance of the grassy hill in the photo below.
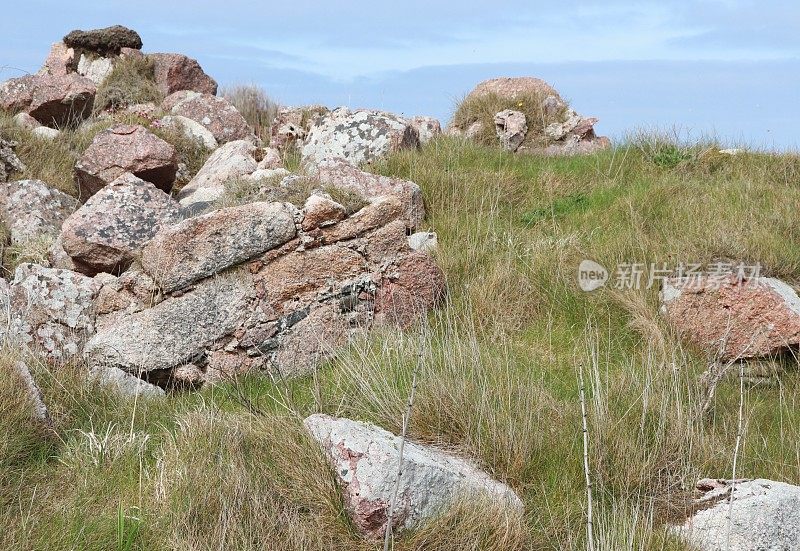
(230, 467)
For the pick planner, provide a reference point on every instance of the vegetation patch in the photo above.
(131, 81)
(255, 106)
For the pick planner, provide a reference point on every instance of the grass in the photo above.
(132, 81)
(482, 109)
(255, 106)
(498, 383)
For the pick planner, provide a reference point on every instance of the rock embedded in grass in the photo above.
(365, 461)
(511, 128)
(233, 160)
(729, 318)
(216, 114)
(427, 128)
(9, 162)
(745, 515)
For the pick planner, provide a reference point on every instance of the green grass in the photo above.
(230, 466)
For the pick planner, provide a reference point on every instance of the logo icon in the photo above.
(591, 275)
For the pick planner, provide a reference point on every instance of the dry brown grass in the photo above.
(255, 106)
(131, 81)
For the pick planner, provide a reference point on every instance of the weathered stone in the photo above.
(51, 309)
(409, 291)
(745, 515)
(176, 72)
(24, 120)
(427, 128)
(370, 186)
(46, 133)
(9, 162)
(111, 227)
(191, 129)
(109, 40)
(357, 136)
(16, 94)
(423, 241)
(731, 318)
(30, 209)
(320, 211)
(216, 114)
(365, 461)
(205, 245)
(96, 69)
(379, 212)
(39, 409)
(511, 127)
(291, 125)
(232, 160)
(173, 332)
(514, 87)
(124, 383)
(126, 148)
(60, 61)
(53, 100)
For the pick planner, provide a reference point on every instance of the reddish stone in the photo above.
(176, 72)
(416, 286)
(216, 114)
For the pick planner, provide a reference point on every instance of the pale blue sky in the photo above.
(730, 68)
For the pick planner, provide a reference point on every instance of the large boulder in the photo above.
(53, 100)
(126, 148)
(366, 461)
(110, 40)
(357, 137)
(105, 233)
(30, 208)
(205, 245)
(216, 114)
(745, 515)
(513, 87)
(50, 309)
(233, 160)
(176, 72)
(172, 333)
(733, 318)
(340, 174)
(9, 162)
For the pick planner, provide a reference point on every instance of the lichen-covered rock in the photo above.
(191, 129)
(427, 128)
(51, 309)
(109, 40)
(291, 125)
(30, 208)
(176, 72)
(126, 148)
(205, 245)
(16, 94)
(233, 160)
(53, 100)
(173, 332)
(732, 318)
(343, 175)
(760, 515)
(365, 459)
(106, 232)
(357, 137)
(216, 114)
(9, 162)
(511, 127)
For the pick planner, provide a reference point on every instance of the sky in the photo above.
(728, 69)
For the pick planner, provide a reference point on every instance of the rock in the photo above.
(216, 114)
(30, 209)
(766, 516)
(320, 211)
(105, 233)
(60, 61)
(514, 87)
(343, 175)
(124, 383)
(365, 462)
(414, 287)
(427, 128)
(51, 309)
(109, 40)
(558, 131)
(552, 105)
(24, 120)
(205, 245)
(730, 318)
(191, 129)
(55, 101)
(46, 133)
(574, 136)
(176, 72)
(40, 411)
(473, 130)
(511, 128)
(9, 162)
(357, 136)
(126, 148)
(173, 332)
(291, 124)
(96, 69)
(271, 159)
(423, 241)
(233, 160)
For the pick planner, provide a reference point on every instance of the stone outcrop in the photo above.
(357, 136)
(9, 162)
(292, 124)
(176, 72)
(126, 148)
(575, 135)
(216, 114)
(106, 232)
(733, 318)
(365, 460)
(110, 40)
(55, 101)
(51, 310)
(30, 209)
(514, 87)
(233, 160)
(124, 383)
(746, 515)
(511, 127)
